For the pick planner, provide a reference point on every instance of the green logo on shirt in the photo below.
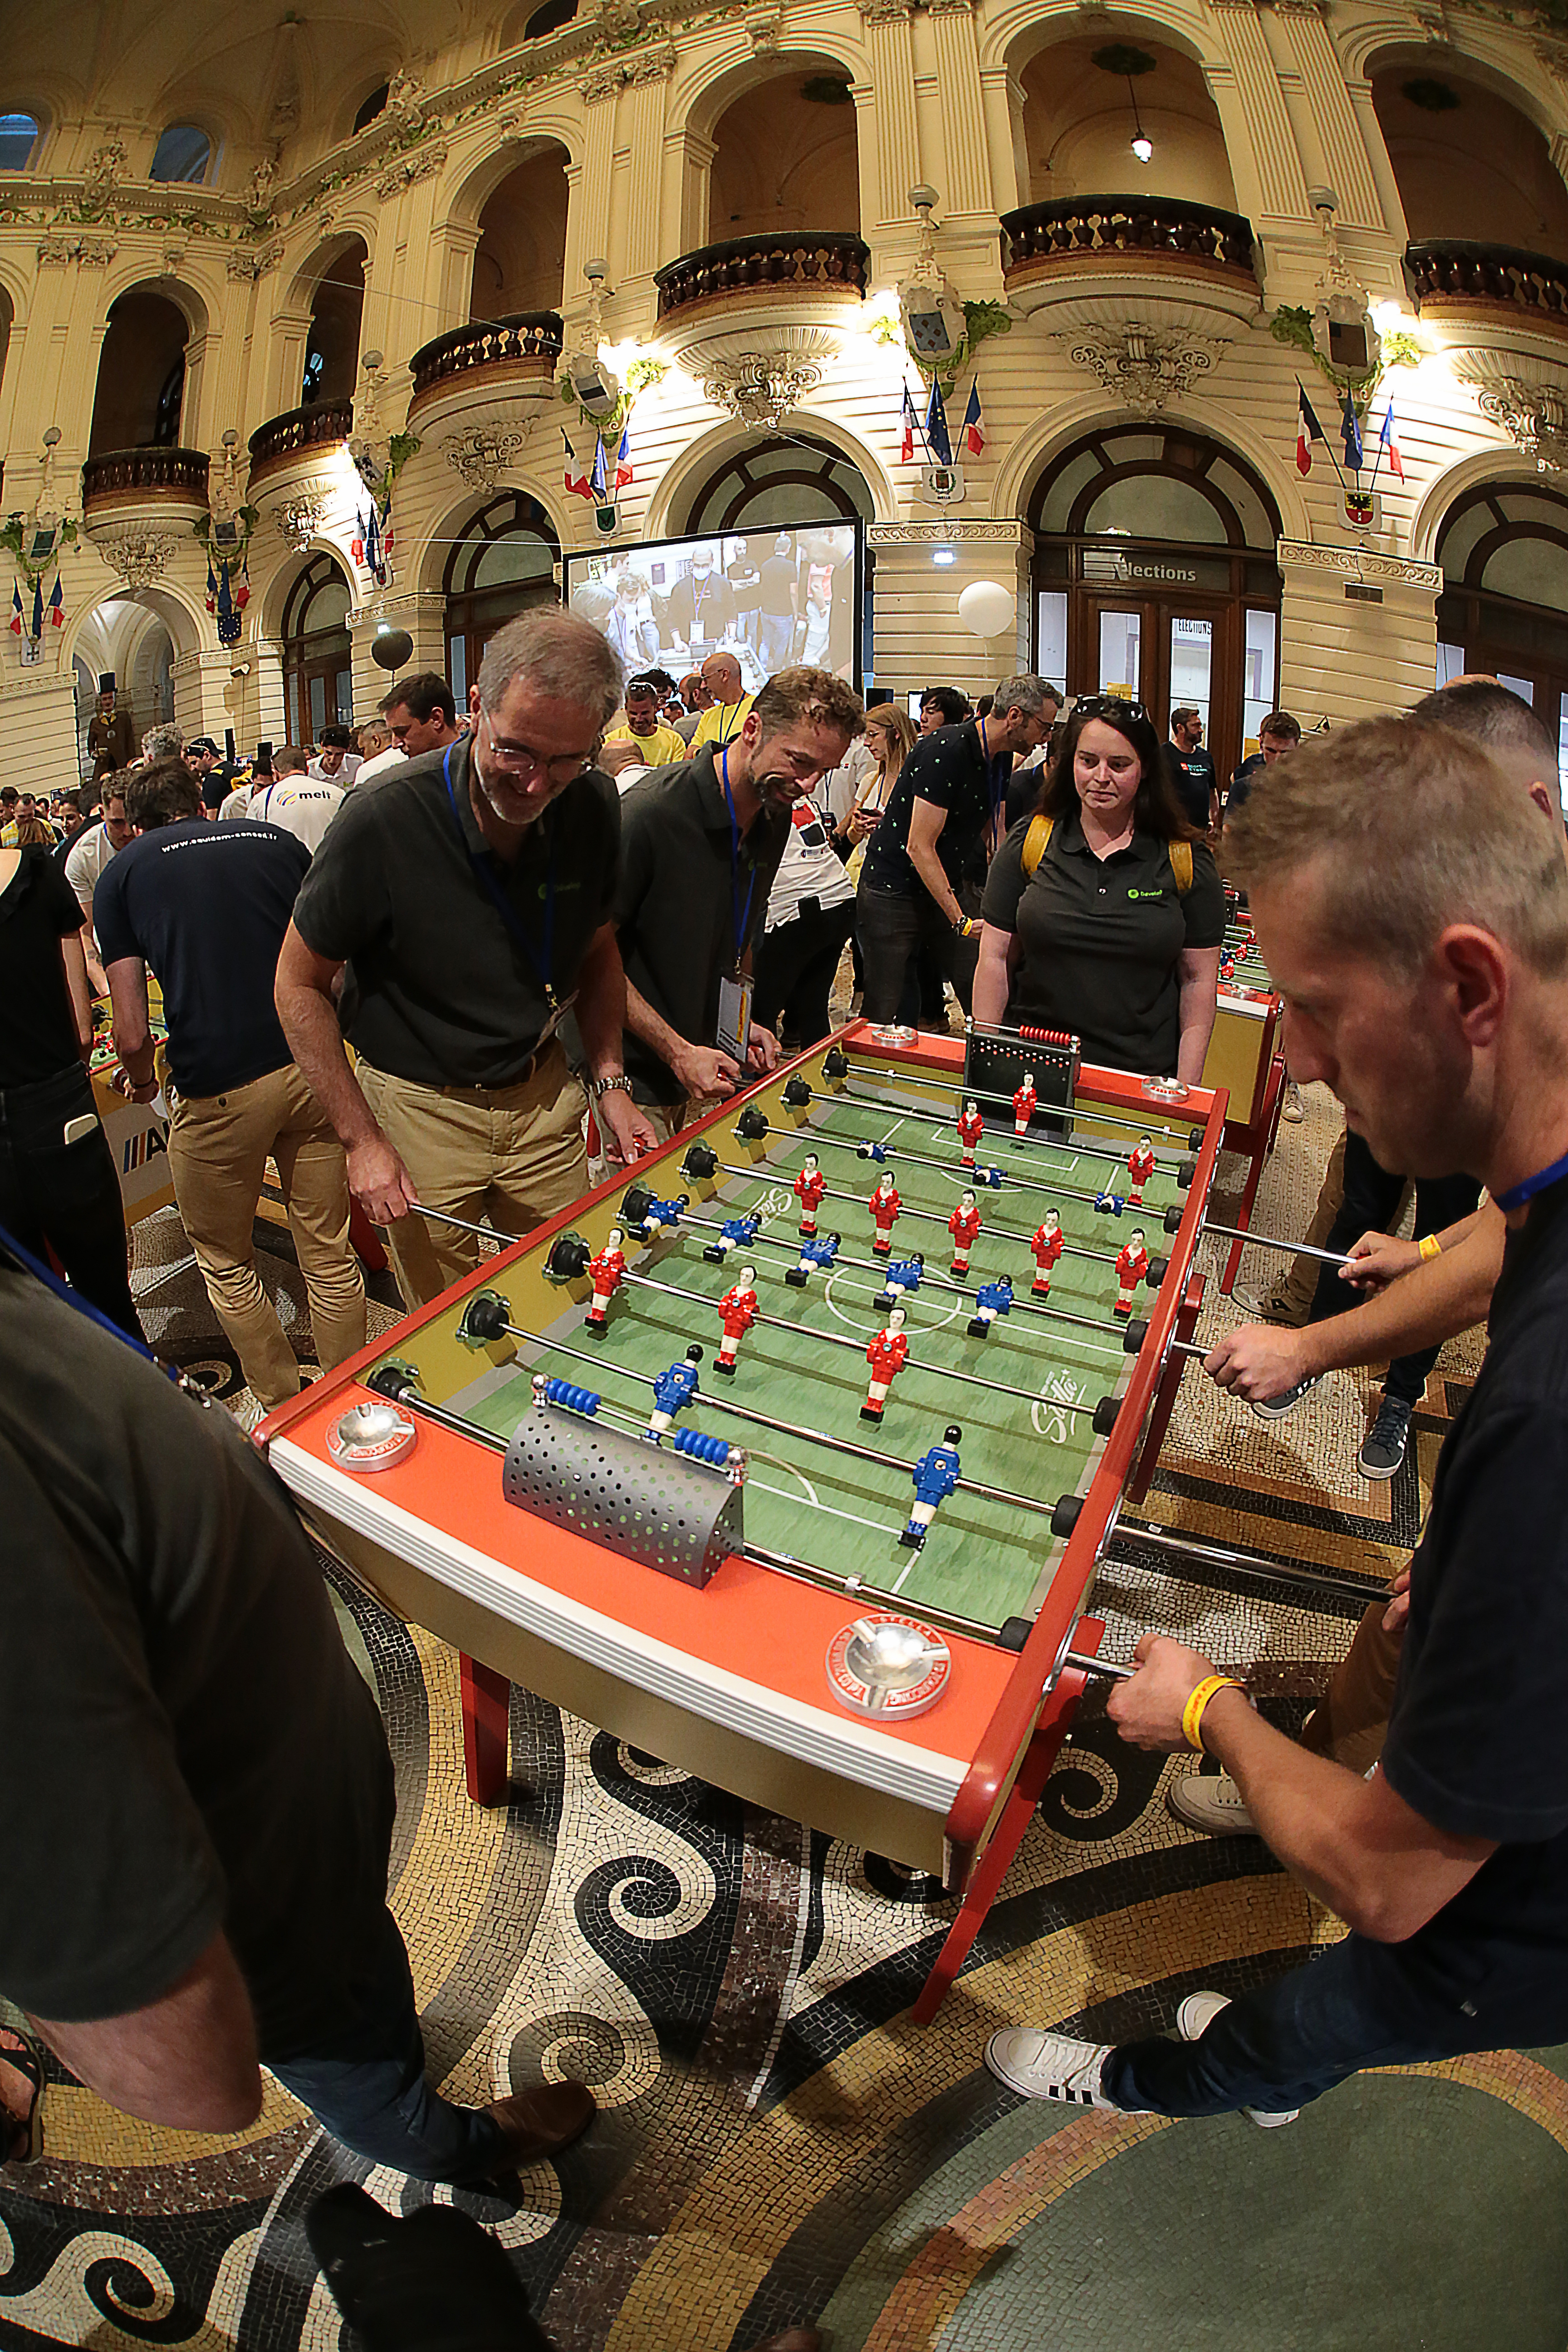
(1144, 893)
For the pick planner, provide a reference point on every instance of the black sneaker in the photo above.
(1383, 1447)
(1275, 1408)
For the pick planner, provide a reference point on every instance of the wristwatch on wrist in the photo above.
(620, 1083)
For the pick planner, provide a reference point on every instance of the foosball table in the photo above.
(1245, 1056)
(790, 1458)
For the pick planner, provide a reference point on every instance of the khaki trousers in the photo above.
(219, 1148)
(1353, 1719)
(666, 1119)
(515, 1155)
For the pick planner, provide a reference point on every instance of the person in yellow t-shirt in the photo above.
(721, 673)
(659, 746)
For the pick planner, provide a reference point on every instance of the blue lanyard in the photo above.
(1517, 1194)
(741, 920)
(543, 969)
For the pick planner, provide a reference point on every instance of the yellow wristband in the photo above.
(1431, 1247)
(1192, 1713)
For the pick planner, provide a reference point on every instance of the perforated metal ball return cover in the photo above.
(892, 1668)
(370, 1437)
(642, 1500)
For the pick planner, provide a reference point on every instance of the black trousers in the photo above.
(890, 929)
(65, 1197)
(794, 966)
(1372, 1199)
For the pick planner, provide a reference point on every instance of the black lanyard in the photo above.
(543, 969)
(741, 920)
(998, 776)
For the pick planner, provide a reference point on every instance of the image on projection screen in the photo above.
(773, 597)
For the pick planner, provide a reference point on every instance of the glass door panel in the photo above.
(1259, 673)
(1192, 664)
(1120, 653)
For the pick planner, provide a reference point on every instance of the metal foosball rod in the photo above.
(931, 1216)
(962, 1087)
(880, 1154)
(998, 1133)
(1174, 1545)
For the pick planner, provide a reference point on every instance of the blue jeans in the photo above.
(1359, 2004)
(368, 2088)
(1371, 1204)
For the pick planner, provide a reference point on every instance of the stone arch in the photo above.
(1472, 148)
(145, 391)
(519, 259)
(475, 179)
(681, 481)
(699, 98)
(1033, 453)
(1502, 464)
(188, 626)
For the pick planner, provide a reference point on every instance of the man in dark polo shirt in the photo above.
(700, 844)
(1192, 768)
(1277, 733)
(466, 899)
(206, 907)
(196, 1793)
(951, 794)
(1414, 912)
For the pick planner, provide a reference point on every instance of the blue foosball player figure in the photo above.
(992, 1298)
(816, 1256)
(935, 1475)
(902, 1280)
(1109, 1203)
(663, 1212)
(735, 1233)
(673, 1392)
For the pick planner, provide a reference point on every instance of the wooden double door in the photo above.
(1173, 647)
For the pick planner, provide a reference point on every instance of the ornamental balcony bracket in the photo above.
(1532, 413)
(760, 387)
(1143, 366)
(483, 450)
(298, 519)
(140, 557)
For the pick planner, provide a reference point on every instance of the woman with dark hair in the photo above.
(1103, 912)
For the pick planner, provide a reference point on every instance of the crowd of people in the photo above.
(428, 973)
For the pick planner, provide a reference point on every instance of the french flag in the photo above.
(623, 459)
(15, 610)
(973, 424)
(576, 483)
(907, 446)
(1388, 440)
(57, 604)
(1307, 430)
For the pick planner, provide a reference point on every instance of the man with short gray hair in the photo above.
(950, 799)
(467, 900)
(165, 742)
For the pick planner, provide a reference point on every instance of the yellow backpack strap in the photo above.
(1036, 841)
(1181, 867)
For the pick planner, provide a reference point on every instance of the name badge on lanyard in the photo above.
(735, 992)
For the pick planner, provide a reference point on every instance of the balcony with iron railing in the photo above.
(298, 432)
(517, 354)
(144, 479)
(809, 265)
(1059, 250)
(1499, 285)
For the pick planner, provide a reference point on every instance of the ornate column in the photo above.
(1346, 163)
(966, 170)
(892, 100)
(647, 91)
(203, 686)
(1278, 179)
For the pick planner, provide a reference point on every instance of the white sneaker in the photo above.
(1193, 2018)
(1294, 1107)
(1212, 1802)
(1040, 2065)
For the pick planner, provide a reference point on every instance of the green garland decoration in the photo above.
(14, 537)
(248, 518)
(1292, 325)
(639, 377)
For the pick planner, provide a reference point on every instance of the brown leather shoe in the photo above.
(539, 2124)
(794, 2339)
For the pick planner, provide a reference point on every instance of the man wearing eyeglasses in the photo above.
(462, 907)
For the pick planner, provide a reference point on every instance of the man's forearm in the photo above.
(1422, 1309)
(1306, 1808)
(653, 1030)
(309, 1021)
(187, 2062)
(929, 866)
(1195, 1020)
(602, 1007)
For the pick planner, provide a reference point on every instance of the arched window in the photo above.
(18, 137)
(522, 237)
(549, 19)
(141, 374)
(1082, 109)
(782, 481)
(786, 161)
(1469, 165)
(337, 304)
(504, 563)
(183, 153)
(318, 653)
(373, 105)
(1504, 607)
(1155, 573)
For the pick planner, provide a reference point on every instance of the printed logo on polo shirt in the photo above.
(1143, 894)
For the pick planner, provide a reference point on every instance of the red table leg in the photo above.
(1264, 1131)
(1055, 1723)
(486, 1711)
(1164, 1403)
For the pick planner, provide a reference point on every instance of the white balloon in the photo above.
(986, 608)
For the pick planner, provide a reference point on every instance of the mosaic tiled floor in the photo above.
(777, 2142)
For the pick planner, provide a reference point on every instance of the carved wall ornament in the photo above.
(409, 170)
(759, 388)
(1143, 367)
(138, 555)
(483, 450)
(101, 177)
(764, 31)
(1534, 417)
(1360, 564)
(298, 519)
(254, 261)
(87, 252)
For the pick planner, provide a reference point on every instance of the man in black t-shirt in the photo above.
(206, 907)
(1414, 912)
(952, 794)
(197, 1797)
(1192, 768)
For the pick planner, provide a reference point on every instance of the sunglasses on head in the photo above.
(1102, 706)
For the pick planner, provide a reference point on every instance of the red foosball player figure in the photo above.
(1024, 1103)
(1046, 1244)
(884, 1205)
(737, 1312)
(971, 1127)
(963, 1225)
(887, 1355)
(1132, 1265)
(606, 1273)
(1140, 1167)
(809, 1187)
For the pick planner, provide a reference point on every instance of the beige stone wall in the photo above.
(990, 103)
